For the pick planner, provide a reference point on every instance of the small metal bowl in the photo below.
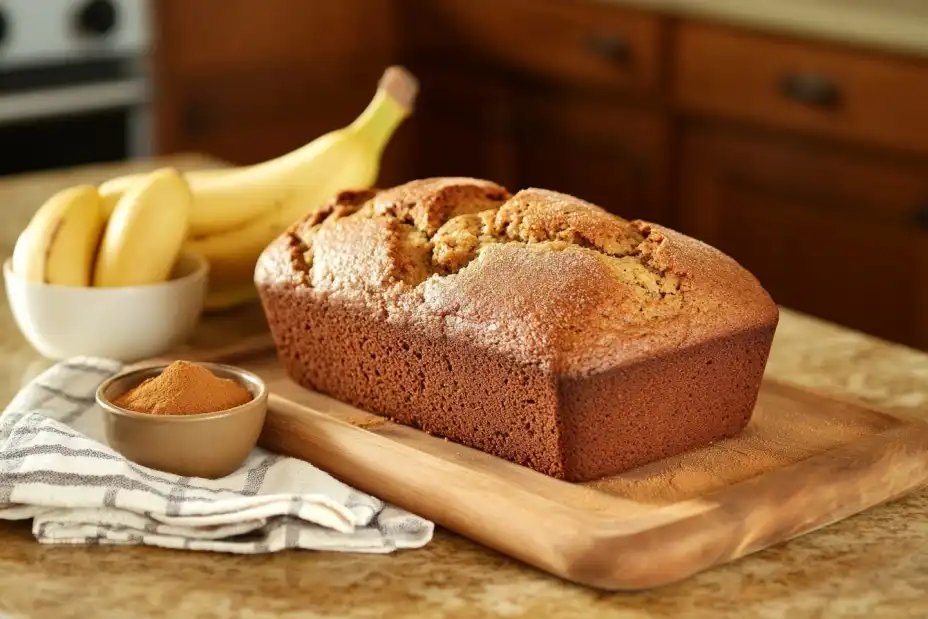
(209, 445)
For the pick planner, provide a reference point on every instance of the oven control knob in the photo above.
(97, 18)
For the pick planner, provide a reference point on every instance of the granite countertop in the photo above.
(872, 565)
(898, 26)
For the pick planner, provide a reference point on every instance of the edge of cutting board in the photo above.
(608, 549)
(609, 543)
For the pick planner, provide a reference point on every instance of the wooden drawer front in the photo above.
(580, 42)
(803, 86)
(229, 35)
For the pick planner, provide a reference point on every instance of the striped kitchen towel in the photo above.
(56, 468)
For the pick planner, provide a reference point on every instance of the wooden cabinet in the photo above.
(246, 116)
(576, 43)
(807, 163)
(246, 83)
(560, 95)
(611, 154)
(828, 230)
(797, 85)
(464, 125)
(804, 160)
(523, 135)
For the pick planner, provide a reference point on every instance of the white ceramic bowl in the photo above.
(127, 324)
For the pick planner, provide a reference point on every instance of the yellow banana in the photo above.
(348, 158)
(224, 200)
(145, 232)
(111, 190)
(233, 254)
(58, 245)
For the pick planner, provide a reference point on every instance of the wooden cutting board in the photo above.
(805, 461)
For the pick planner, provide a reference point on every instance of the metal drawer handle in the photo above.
(817, 90)
(609, 47)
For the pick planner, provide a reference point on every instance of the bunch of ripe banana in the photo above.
(129, 230)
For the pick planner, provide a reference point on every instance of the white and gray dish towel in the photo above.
(56, 468)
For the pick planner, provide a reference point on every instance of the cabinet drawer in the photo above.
(228, 35)
(575, 41)
(798, 85)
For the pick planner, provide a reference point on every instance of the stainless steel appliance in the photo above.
(74, 82)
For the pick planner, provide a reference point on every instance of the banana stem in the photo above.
(379, 120)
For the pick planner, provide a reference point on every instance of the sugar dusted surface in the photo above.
(584, 290)
(535, 326)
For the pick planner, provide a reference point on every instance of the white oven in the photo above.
(74, 82)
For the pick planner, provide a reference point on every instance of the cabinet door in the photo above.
(210, 36)
(600, 150)
(839, 234)
(249, 115)
(464, 124)
(247, 81)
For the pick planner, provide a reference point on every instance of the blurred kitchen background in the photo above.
(792, 134)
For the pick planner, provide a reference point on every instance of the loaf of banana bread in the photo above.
(536, 327)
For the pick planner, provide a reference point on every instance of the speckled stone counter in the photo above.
(873, 565)
(898, 26)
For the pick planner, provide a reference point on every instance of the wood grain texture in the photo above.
(225, 35)
(247, 83)
(592, 99)
(805, 461)
(736, 74)
(575, 42)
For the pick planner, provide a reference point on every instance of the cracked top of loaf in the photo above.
(542, 276)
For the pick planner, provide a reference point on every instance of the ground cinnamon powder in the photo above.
(184, 388)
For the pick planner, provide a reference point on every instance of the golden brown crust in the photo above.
(562, 281)
(429, 203)
(535, 326)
